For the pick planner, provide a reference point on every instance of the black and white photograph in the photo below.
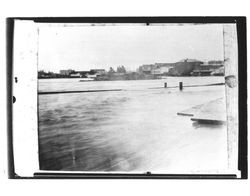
(131, 98)
(125, 98)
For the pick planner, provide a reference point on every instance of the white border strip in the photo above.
(25, 134)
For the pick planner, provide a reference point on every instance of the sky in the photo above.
(90, 47)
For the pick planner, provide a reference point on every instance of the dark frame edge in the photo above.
(9, 83)
(242, 103)
(44, 175)
(135, 19)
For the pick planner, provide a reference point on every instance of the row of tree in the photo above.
(120, 69)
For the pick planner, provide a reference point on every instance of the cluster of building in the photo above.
(185, 67)
(70, 73)
(93, 73)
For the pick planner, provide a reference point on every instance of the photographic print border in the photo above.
(242, 89)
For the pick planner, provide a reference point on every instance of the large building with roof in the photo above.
(185, 67)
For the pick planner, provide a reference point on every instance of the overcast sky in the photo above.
(88, 47)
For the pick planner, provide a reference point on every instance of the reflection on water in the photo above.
(132, 130)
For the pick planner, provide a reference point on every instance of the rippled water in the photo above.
(135, 130)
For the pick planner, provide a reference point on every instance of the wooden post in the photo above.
(180, 86)
(165, 85)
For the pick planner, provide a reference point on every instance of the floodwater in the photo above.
(134, 130)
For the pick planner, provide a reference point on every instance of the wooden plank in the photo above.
(214, 110)
(191, 111)
(208, 121)
(211, 112)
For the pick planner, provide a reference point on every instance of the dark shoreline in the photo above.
(130, 79)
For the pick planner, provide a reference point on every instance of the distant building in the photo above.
(43, 74)
(83, 73)
(156, 69)
(219, 72)
(209, 68)
(98, 71)
(146, 69)
(201, 72)
(185, 67)
(163, 64)
(75, 75)
(214, 62)
(206, 66)
(161, 68)
(66, 72)
(93, 76)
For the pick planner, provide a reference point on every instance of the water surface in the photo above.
(135, 130)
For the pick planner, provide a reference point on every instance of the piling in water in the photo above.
(180, 86)
(198, 85)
